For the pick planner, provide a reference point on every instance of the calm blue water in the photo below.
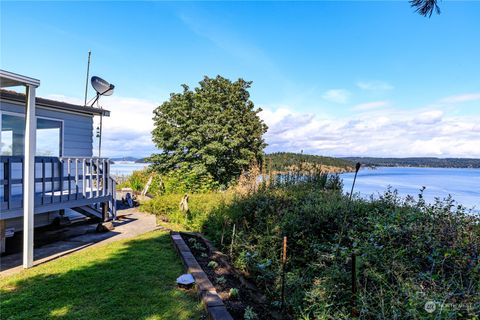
(462, 184)
(125, 169)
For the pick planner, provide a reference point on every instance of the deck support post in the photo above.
(29, 177)
(105, 225)
(104, 211)
(2, 236)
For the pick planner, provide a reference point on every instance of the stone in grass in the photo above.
(185, 281)
(105, 226)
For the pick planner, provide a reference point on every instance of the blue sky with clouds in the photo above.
(333, 78)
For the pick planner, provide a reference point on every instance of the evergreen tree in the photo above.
(213, 130)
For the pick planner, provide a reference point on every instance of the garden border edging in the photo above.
(212, 302)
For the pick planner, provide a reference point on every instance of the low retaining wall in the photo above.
(213, 303)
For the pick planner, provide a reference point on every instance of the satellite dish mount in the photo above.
(103, 88)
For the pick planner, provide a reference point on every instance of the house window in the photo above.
(13, 134)
(49, 136)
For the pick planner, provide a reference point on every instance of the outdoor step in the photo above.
(88, 211)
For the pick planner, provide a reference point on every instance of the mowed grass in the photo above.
(130, 279)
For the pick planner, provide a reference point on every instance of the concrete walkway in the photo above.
(130, 223)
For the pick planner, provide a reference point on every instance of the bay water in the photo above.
(463, 184)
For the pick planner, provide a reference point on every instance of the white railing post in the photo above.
(84, 178)
(104, 177)
(97, 193)
(29, 177)
(76, 178)
(90, 172)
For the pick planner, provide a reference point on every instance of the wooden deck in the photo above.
(60, 183)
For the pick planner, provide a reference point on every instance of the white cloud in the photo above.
(429, 117)
(386, 133)
(370, 105)
(337, 95)
(466, 97)
(375, 132)
(374, 85)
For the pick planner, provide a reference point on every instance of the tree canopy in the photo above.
(425, 7)
(212, 130)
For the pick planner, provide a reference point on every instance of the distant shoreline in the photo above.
(420, 162)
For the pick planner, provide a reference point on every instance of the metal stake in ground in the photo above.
(349, 205)
(231, 244)
(354, 285)
(223, 231)
(357, 167)
(284, 261)
(354, 256)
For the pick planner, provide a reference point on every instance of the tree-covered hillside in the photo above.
(417, 162)
(285, 161)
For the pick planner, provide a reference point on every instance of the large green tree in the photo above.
(213, 129)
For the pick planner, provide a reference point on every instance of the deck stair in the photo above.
(89, 212)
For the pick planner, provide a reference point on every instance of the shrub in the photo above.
(139, 179)
(201, 207)
(221, 280)
(249, 314)
(175, 181)
(233, 294)
(408, 252)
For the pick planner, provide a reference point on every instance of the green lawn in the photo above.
(131, 279)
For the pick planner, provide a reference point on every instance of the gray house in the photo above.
(47, 168)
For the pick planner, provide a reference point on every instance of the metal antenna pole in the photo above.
(86, 81)
(100, 137)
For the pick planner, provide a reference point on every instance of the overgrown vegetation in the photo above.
(409, 252)
(173, 182)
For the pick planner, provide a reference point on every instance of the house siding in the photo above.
(77, 128)
(77, 138)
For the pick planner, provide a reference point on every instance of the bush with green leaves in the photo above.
(233, 294)
(249, 314)
(221, 280)
(408, 252)
(179, 180)
(201, 207)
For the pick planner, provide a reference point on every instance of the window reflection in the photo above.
(48, 137)
(49, 133)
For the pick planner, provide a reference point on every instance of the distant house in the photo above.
(52, 165)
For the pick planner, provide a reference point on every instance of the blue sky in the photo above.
(334, 78)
